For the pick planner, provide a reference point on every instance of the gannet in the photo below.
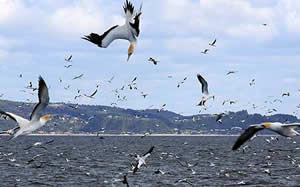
(129, 31)
(287, 130)
(36, 121)
(141, 159)
(204, 88)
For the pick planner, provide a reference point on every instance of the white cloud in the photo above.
(76, 20)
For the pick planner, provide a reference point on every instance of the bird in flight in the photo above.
(36, 120)
(213, 43)
(140, 160)
(252, 82)
(204, 88)
(287, 130)
(92, 95)
(69, 59)
(219, 117)
(285, 94)
(78, 77)
(129, 31)
(67, 66)
(153, 60)
(231, 72)
(205, 51)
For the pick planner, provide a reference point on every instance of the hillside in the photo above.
(71, 118)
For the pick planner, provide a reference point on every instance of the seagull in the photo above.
(134, 79)
(78, 77)
(205, 93)
(153, 60)
(141, 160)
(181, 82)
(68, 66)
(36, 121)
(112, 78)
(252, 82)
(144, 94)
(69, 59)
(92, 95)
(129, 31)
(213, 43)
(205, 51)
(285, 94)
(287, 130)
(219, 117)
(231, 72)
(162, 107)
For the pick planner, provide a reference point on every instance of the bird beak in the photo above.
(128, 57)
(47, 117)
(130, 50)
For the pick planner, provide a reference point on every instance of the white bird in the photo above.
(204, 88)
(36, 121)
(141, 160)
(129, 31)
(287, 130)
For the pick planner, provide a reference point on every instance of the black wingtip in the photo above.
(128, 6)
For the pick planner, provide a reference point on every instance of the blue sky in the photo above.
(36, 36)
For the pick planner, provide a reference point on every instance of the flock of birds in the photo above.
(130, 31)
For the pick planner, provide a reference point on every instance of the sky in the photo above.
(36, 36)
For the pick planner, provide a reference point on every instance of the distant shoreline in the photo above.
(126, 135)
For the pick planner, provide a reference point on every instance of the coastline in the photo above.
(213, 135)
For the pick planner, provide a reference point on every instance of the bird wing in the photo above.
(247, 134)
(94, 93)
(203, 83)
(148, 153)
(104, 40)
(213, 43)
(20, 120)
(43, 100)
(292, 125)
(136, 167)
(132, 17)
(129, 11)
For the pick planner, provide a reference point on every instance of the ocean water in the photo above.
(202, 161)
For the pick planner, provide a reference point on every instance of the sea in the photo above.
(175, 161)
